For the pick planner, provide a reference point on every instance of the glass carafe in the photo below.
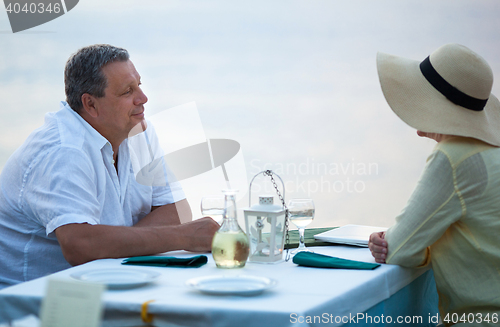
(230, 244)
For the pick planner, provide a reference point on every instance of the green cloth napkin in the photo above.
(160, 261)
(309, 239)
(310, 259)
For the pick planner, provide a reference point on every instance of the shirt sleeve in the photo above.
(60, 189)
(435, 204)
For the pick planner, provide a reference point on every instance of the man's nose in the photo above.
(141, 98)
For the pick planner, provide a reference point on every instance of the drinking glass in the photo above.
(213, 206)
(301, 214)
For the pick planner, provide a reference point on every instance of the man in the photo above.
(69, 194)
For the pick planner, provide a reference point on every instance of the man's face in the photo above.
(122, 106)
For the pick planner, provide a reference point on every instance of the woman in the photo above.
(452, 219)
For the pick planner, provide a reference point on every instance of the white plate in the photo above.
(231, 285)
(117, 278)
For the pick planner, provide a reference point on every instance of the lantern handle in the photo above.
(270, 174)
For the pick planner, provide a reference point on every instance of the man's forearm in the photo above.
(167, 215)
(81, 243)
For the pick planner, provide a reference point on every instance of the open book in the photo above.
(350, 234)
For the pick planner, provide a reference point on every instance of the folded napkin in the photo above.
(310, 259)
(160, 261)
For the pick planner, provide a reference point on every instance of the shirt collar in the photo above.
(94, 136)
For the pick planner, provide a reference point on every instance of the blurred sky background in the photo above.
(294, 82)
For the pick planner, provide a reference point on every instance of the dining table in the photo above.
(295, 295)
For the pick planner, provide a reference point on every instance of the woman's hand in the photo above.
(378, 246)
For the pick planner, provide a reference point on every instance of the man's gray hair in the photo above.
(83, 72)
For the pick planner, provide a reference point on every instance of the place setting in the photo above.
(265, 239)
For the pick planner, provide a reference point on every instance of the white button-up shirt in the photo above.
(64, 173)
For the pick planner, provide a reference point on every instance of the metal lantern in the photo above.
(266, 227)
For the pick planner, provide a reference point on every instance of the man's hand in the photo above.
(378, 246)
(199, 234)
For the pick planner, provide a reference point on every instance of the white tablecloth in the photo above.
(301, 292)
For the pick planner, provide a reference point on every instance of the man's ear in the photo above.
(89, 106)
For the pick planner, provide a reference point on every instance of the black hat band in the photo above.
(449, 91)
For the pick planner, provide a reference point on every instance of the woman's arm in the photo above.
(435, 204)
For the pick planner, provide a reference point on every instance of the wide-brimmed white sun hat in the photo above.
(448, 93)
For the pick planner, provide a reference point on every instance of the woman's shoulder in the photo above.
(459, 148)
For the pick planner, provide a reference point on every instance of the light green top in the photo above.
(453, 221)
